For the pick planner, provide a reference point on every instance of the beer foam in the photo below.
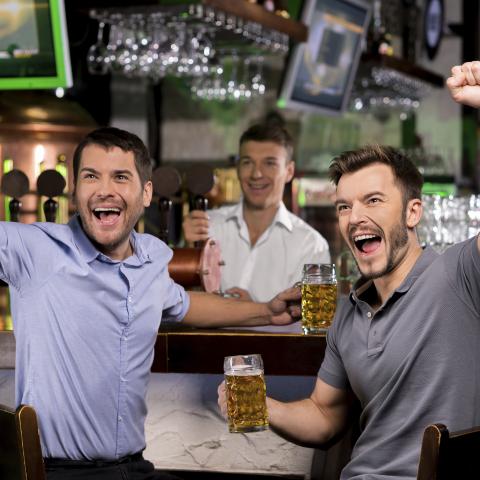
(244, 371)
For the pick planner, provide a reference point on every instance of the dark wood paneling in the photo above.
(160, 361)
(204, 352)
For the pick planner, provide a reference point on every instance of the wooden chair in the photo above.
(20, 450)
(449, 456)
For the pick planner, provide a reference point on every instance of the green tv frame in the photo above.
(59, 57)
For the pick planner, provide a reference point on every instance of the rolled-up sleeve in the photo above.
(176, 304)
(15, 258)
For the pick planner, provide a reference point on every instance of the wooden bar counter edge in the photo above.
(185, 350)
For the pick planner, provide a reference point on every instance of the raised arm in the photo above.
(464, 85)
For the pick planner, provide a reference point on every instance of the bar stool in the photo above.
(20, 450)
(449, 456)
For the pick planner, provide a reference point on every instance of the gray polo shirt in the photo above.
(413, 362)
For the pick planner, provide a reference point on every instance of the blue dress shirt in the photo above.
(85, 327)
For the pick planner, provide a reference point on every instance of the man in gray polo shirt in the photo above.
(406, 342)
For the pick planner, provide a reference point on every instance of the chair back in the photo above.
(20, 450)
(449, 456)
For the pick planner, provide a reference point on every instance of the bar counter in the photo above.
(185, 350)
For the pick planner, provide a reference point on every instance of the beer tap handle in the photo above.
(166, 182)
(200, 180)
(200, 203)
(50, 183)
(50, 207)
(164, 206)
(15, 184)
(14, 207)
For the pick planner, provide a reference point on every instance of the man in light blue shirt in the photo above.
(87, 300)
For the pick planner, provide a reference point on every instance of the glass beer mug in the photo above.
(246, 393)
(319, 297)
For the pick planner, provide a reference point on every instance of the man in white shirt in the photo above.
(264, 246)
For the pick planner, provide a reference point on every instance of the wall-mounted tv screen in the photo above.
(34, 51)
(319, 73)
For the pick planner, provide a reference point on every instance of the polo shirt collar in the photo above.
(423, 262)
(282, 216)
(90, 253)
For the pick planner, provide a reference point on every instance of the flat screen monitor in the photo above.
(319, 73)
(34, 52)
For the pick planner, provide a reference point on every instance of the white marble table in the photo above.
(185, 431)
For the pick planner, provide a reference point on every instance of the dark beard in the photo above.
(398, 239)
(108, 247)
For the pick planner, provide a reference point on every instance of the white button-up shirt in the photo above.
(276, 260)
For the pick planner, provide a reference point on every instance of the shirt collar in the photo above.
(282, 216)
(423, 262)
(90, 253)
(236, 212)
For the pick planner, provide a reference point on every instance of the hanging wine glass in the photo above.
(145, 55)
(242, 92)
(257, 81)
(97, 53)
(120, 53)
(133, 40)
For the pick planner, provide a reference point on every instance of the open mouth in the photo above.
(367, 243)
(107, 215)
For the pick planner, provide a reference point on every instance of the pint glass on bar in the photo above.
(246, 393)
(319, 297)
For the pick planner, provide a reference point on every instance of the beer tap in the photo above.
(15, 184)
(190, 267)
(166, 182)
(50, 184)
(200, 180)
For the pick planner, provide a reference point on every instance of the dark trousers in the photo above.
(134, 467)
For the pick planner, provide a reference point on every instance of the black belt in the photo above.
(67, 463)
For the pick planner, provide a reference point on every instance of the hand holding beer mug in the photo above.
(319, 297)
(246, 393)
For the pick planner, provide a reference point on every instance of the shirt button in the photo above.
(369, 314)
(120, 419)
(130, 299)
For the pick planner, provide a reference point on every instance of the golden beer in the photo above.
(319, 301)
(246, 405)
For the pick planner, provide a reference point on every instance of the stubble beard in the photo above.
(119, 239)
(398, 238)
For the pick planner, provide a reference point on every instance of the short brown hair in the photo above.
(109, 137)
(405, 172)
(269, 132)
